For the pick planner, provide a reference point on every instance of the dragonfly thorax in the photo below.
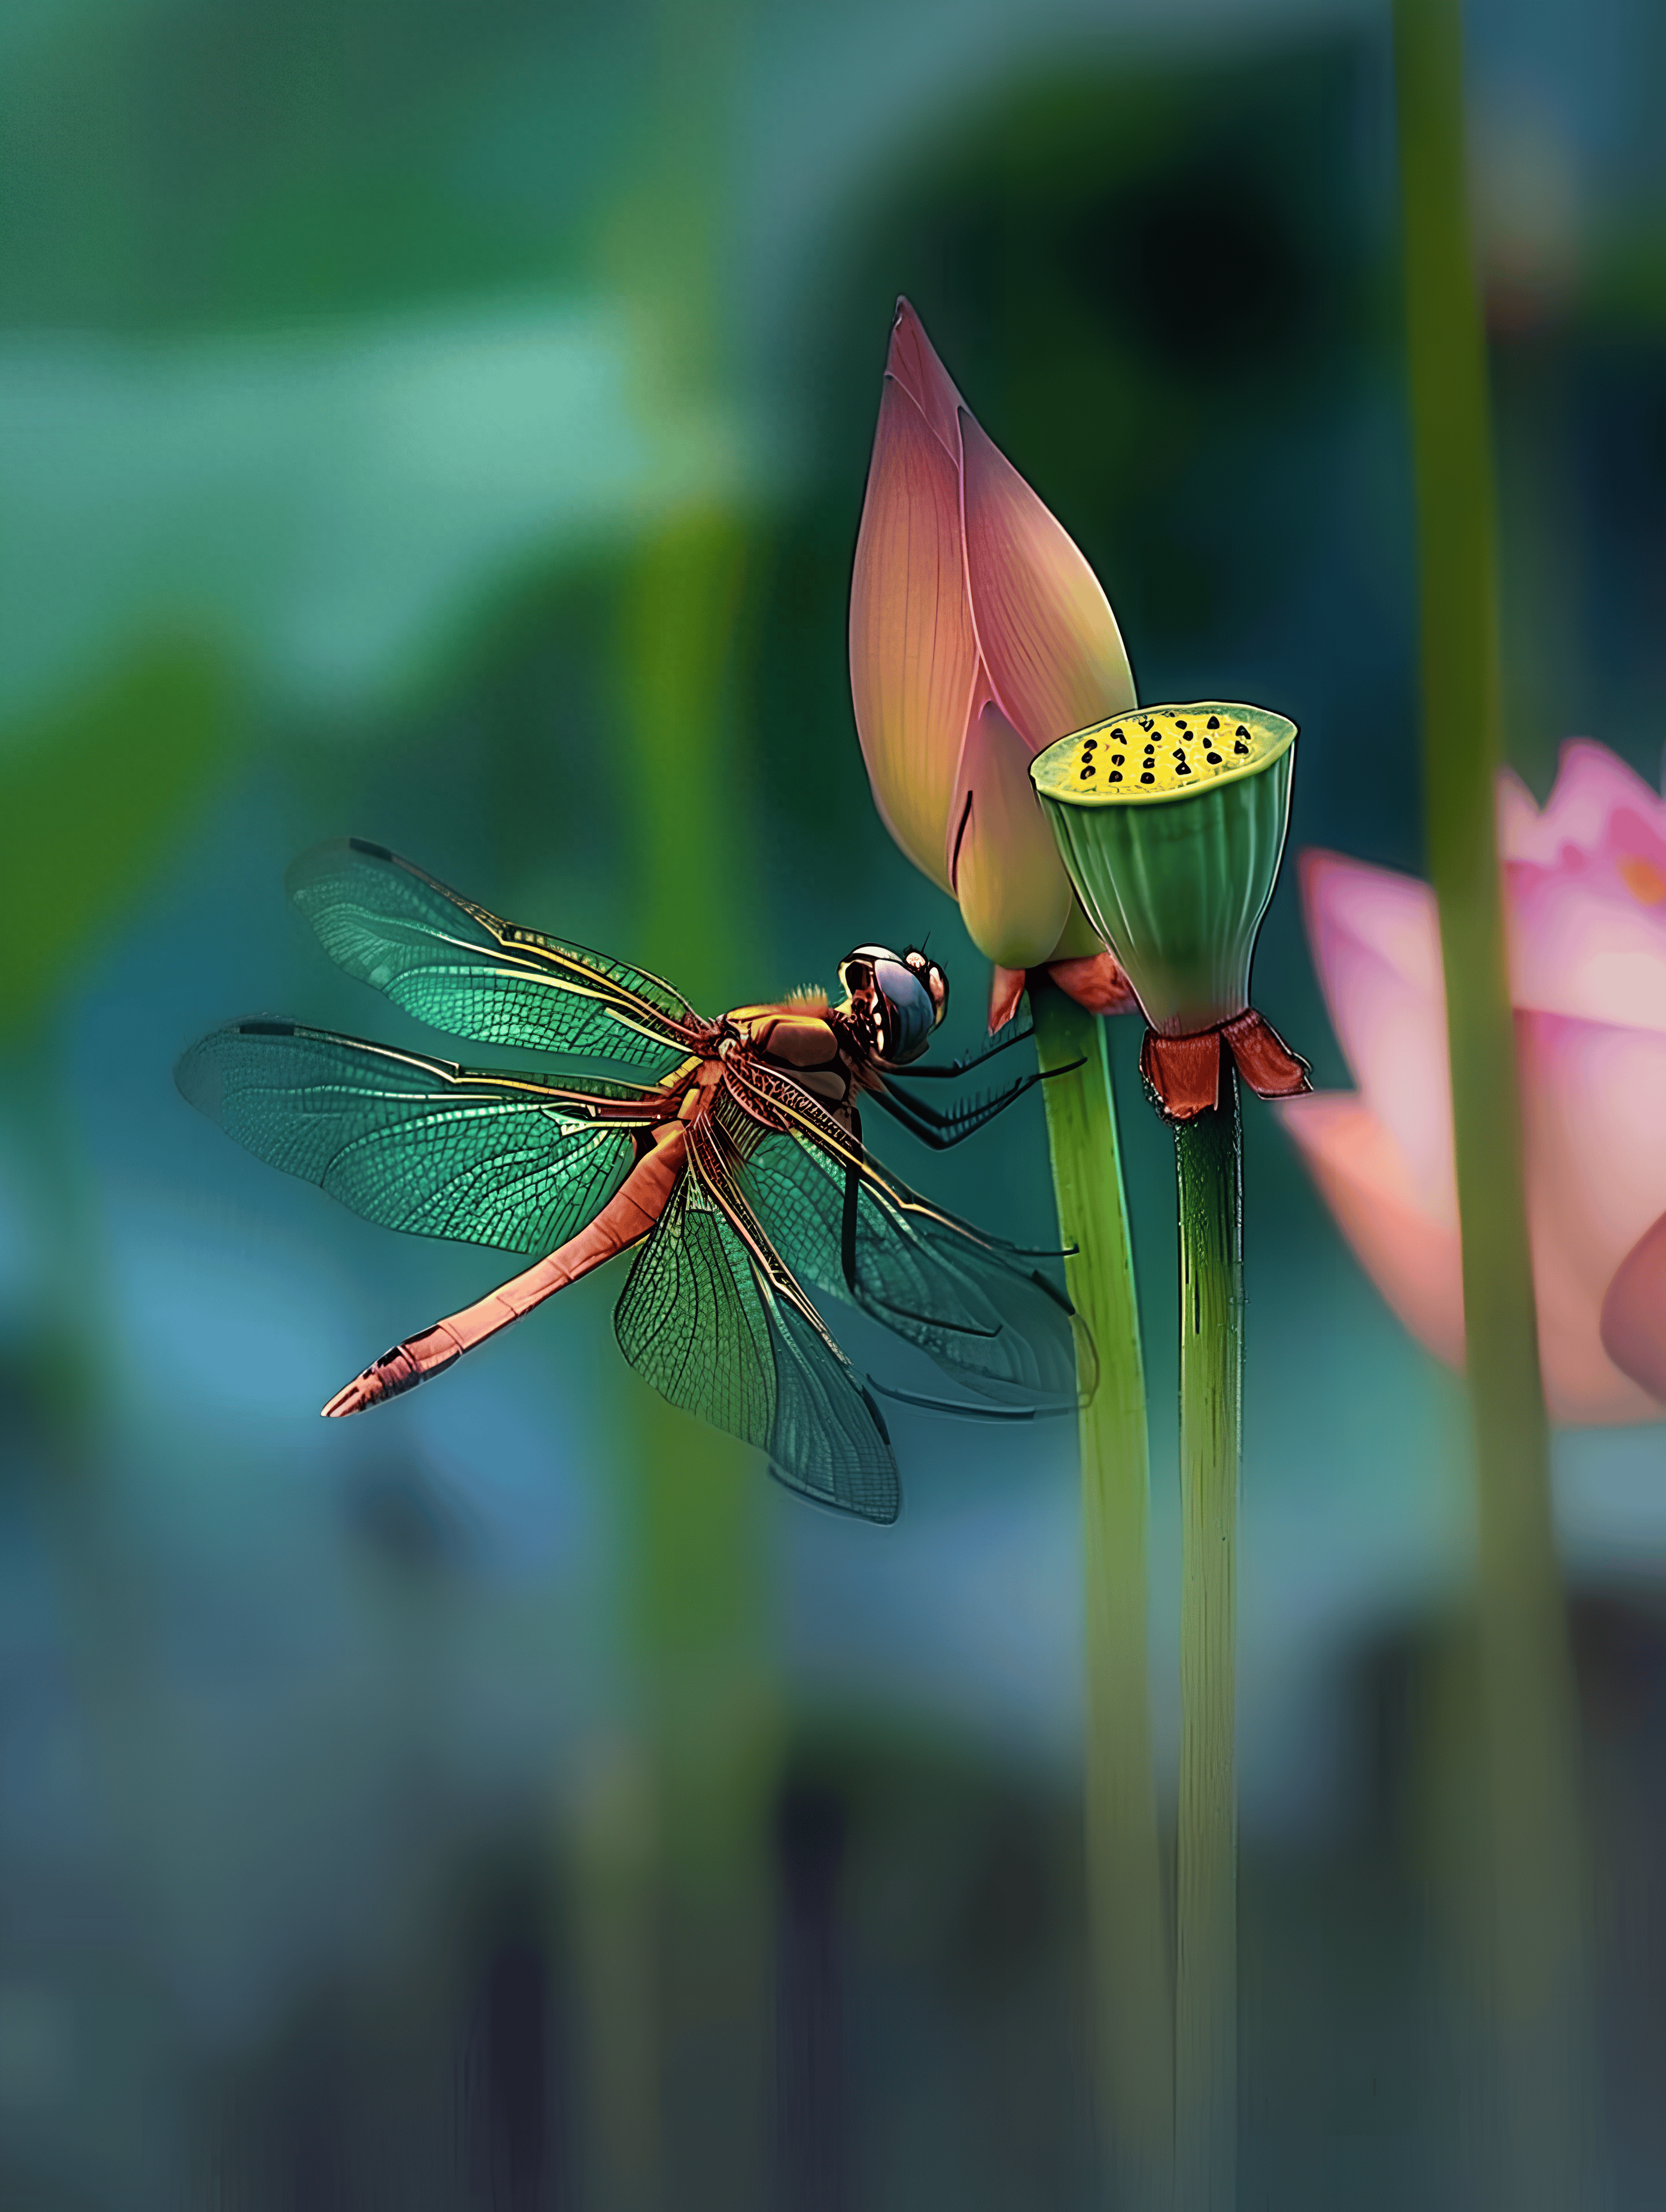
(894, 999)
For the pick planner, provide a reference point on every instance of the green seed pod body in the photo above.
(1171, 822)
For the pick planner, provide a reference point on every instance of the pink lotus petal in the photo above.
(1634, 1313)
(1416, 1262)
(1590, 941)
(1585, 893)
(912, 362)
(1586, 883)
(1392, 915)
(1003, 865)
(1591, 785)
(1517, 815)
(1411, 1255)
(1049, 641)
(913, 656)
(1376, 943)
(1593, 1110)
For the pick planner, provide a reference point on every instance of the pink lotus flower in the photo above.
(978, 634)
(1585, 890)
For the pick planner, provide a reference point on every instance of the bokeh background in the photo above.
(434, 424)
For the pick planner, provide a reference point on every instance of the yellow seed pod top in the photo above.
(1161, 752)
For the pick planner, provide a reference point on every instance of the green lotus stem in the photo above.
(1536, 1904)
(1208, 1172)
(1170, 822)
(1133, 2006)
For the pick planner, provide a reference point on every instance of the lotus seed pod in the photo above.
(1171, 822)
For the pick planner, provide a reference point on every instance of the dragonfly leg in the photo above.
(883, 1308)
(942, 1130)
(932, 1134)
(625, 1220)
(968, 1062)
(853, 1187)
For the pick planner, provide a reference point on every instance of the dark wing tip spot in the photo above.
(364, 845)
(266, 1029)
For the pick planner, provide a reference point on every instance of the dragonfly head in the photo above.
(899, 998)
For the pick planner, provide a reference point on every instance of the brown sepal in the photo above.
(1265, 1060)
(1182, 1073)
(1006, 989)
(1096, 982)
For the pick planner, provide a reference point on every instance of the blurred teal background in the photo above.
(416, 420)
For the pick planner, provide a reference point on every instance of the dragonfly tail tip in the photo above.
(395, 1371)
(351, 1399)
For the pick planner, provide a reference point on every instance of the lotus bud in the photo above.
(978, 634)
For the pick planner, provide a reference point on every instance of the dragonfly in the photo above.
(728, 1155)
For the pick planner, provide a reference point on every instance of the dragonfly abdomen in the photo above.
(625, 1220)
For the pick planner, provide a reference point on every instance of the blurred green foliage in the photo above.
(96, 796)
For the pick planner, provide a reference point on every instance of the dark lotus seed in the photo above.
(1148, 777)
(1214, 759)
(1115, 776)
(1214, 721)
(1240, 747)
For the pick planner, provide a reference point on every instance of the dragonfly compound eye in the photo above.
(936, 982)
(908, 1013)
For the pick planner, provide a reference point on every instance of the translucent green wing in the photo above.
(419, 1144)
(713, 1321)
(980, 1308)
(461, 969)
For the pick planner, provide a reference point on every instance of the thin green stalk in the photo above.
(1133, 2006)
(679, 2048)
(1208, 1172)
(1537, 1906)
